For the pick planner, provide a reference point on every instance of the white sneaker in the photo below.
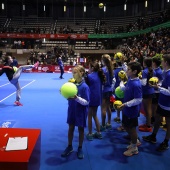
(131, 151)
(137, 144)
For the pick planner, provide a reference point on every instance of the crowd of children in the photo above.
(99, 86)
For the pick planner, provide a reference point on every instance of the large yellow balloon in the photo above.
(118, 56)
(69, 90)
(116, 104)
(153, 80)
(122, 75)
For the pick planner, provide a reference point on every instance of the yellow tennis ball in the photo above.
(15, 68)
(72, 80)
(140, 75)
(101, 5)
(153, 80)
(118, 56)
(68, 90)
(116, 104)
(122, 74)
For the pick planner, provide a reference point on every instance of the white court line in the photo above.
(10, 83)
(4, 84)
(15, 92)
(25, 79)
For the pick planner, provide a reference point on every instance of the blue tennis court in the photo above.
(45, 108)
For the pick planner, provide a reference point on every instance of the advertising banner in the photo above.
(47, 36)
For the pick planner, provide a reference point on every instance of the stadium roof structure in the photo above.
(88, 2)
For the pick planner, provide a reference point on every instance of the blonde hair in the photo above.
(107, 61)
(80, 69)
(106, 56)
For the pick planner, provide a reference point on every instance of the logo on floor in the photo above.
(7, 124)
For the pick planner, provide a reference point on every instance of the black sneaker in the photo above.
(80, 153)
(162, 147)
(97, 135)
(117, 119)
(67, 151)
(149, 138)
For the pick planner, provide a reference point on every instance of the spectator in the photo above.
(15, 62)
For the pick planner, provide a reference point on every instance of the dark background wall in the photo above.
(54, 8)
